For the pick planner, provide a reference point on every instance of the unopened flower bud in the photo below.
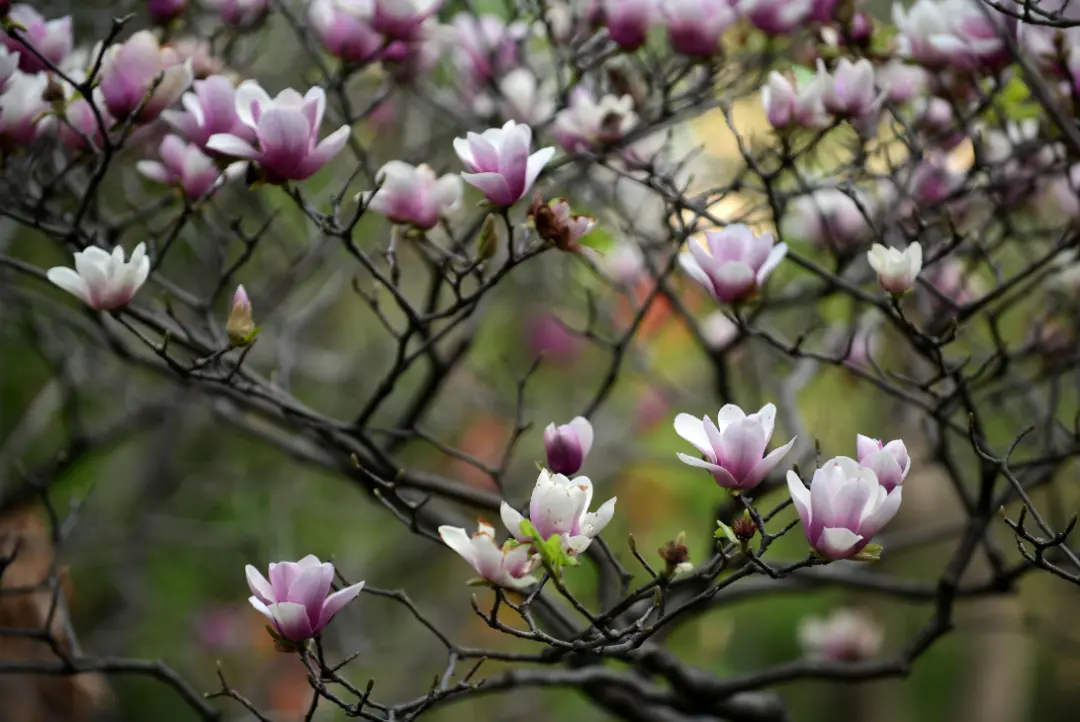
(744, 527)
(240, 326)
(489, 239)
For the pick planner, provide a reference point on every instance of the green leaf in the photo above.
(723, 531)
(869, 553)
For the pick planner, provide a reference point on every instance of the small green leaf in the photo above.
(869, 553)
(723, 531)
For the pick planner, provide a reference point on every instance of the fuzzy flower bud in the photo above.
(240, 326)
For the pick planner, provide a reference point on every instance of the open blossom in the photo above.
(829, 218)
(508, 566)
(896, 270)
(22, 109)
(560, 507)
(402, 19)
(844, 507)
(902, 82)
(736, 264)
(949, 33)
(103, 280)
(240, 14)
(413, 195)
(129, 71)
(734, 447)
(844, 636)
(344, 27)
(486, 46)
(183, 166)
(295, 599)
(890, 462)
(210, 109)
(694, 27)
(525, 98)
(852, 92)
(52, 39)
(567, 445)
(499, 162)
(286, 130)
(587, 123)
(776, 17)
(787, 106)
(628, 21)
(556, 223)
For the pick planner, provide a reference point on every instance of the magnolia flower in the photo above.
(413, 195)
(733, 447)
(718, 330)
(198, 50)
(286, 130)
(843, 508)
(851, 91)
(556, 223)
(240, 325)
(9, 63)
(889, 462)
(896, 270)
(525, 98)
(736, 264)
(165, 11)
(776, 17)
(628, 21)
(402, 19)
(586, 124)
(902, 82)
(949, 33)
(344, 27)
(239, 13)
(79, 123)
(624, 263)
(499, 163)
(101, 280)
(130, 70)
(828, 218)
(486, 46)
(183, 166)
(844, 636)
(210, 109)
(560, 507)
(785, 106)
(567, 445)
(295, 599)
(23, 109)
(508, 566)
(51, 39)
(932, 181)
(694, 27)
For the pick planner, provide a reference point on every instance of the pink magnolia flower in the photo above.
(695, 27)
(203, 61)
(545, 334)
(209, 110)
(413, 195)
(486, 46)
(407, 60)
(165, 11)
(844, 507)
(776, 17)
(344, 27)
(129, 70)
(104, 281)
(829, 218)
(184, 166)
(845, 636)
(23, 110)
(508, 566)
(240, 14)
(9, 63)
(889, 462)
(786, 106)
(736, 264)
(949, 33)
(586, 124)
(560, 507)
(718, 330)
(932, 181)
(286, 131)
(853, 92)
(902, 82)
(78, 124)
(295, 599)
(52, 39)
(524, 97)
(567, 445)
(628, 21)
(556, 223)
(403, 19)
(499, 162)
(733, 447)
(896, 270)
(624, 263)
